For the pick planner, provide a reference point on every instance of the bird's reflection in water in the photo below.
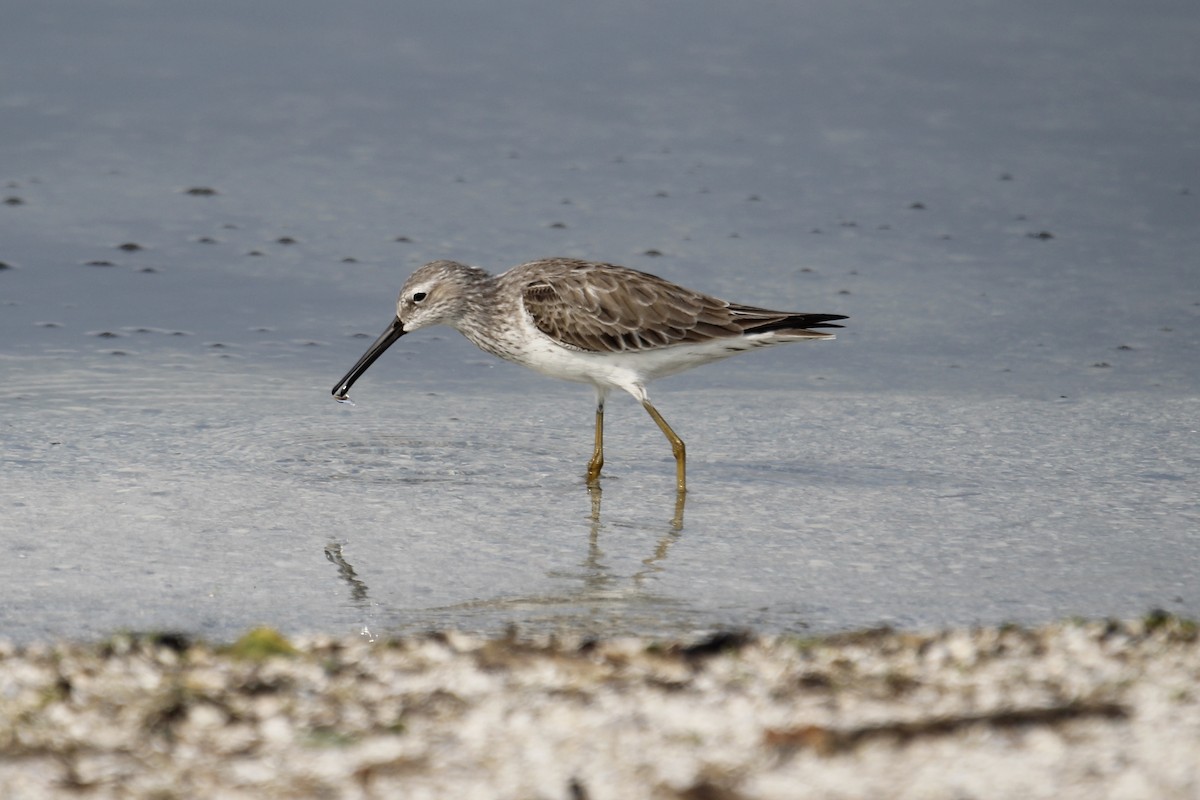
(597, 583)
(595, 492)
(651, 562)
(358, 589)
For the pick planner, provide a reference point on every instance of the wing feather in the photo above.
(606, 308)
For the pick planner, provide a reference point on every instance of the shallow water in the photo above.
(1004, 431)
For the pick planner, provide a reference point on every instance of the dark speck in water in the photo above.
(99, 263)
(652, 253)
(4, 265)
(917, 206)
(13, 201)
(255, 253)
(402, 239)
(349, 260)
(201, 191)
(558, 224)
(285, 240)
(1043, 235)
(130, 247)
(105, 334)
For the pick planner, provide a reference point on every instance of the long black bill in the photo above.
(393, 332)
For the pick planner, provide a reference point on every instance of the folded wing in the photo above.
(616, 309)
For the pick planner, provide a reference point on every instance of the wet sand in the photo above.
(1076, 709)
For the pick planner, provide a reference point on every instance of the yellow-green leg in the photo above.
(676, 445)
(593, 473)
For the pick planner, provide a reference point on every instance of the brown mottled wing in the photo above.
(605, 308)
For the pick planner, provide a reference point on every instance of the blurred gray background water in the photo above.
(206, 210)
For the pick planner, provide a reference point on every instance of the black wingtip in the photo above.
(798, 322)
(824, 320)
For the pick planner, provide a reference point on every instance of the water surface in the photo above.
(208, 210)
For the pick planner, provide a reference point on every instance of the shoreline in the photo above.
(1070, 709)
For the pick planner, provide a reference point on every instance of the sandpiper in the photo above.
(601, 324)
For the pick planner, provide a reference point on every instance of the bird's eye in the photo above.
(418, 297)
